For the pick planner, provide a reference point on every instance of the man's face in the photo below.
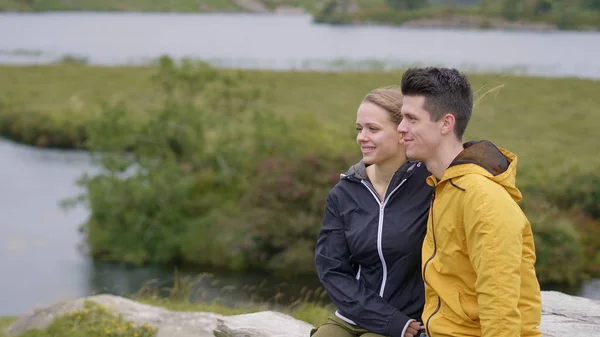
(421, 135)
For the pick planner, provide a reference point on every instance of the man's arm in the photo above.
(531, 297)
(493, 226)
(358, 303)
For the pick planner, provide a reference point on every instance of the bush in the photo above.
(577, 196)
(331, 13)
(281, 214)
(591, 4)
(578, 191)
(559, 251)
(212, 177)
(511, 9)
(589, 230)
(165, 173)
(542, 7)
(406, 4)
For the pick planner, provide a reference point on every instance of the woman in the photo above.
(368, 253)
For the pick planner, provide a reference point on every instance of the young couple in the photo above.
(424, 234)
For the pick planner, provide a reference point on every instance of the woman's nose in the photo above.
(361, 136)
(401, 127)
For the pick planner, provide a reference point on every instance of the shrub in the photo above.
(542, 7)
(580, 191)
(511, 9)
(578, 197)
(171, 181)
(281, 214)
(591, 4)
(165, 173)
(589, 230)
(559, 251)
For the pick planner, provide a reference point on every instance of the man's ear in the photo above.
(447, 126)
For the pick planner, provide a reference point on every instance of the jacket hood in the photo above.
(358, 171)
(485, 158)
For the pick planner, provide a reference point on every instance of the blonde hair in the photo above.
(389, 99)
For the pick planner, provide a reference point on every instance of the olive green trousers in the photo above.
(336, 327)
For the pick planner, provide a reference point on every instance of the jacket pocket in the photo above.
(468, 307)
(458, 308)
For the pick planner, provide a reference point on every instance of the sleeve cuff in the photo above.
(398, 325)
(406, 326)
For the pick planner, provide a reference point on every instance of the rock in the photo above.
(42, 317)
(262, 324)
(561, 315)
(168, 323)
(564, 315)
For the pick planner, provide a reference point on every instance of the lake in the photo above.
(289, 42)
(41, 259)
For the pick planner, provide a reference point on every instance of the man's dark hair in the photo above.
(445, 90)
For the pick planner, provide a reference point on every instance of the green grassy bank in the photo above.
(233, 166)
(4, 323)
(549, 123)
(189, 6)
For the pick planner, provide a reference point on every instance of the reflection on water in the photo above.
(227, 287)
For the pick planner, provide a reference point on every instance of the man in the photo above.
(478, 254)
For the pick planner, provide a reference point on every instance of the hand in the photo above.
(413, 329)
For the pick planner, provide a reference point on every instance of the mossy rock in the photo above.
(107, 315)
(92, 320)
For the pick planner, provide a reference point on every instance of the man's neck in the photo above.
(446, 153)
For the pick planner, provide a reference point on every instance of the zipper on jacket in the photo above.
(380, 227)
(429, 260)
(439, 305)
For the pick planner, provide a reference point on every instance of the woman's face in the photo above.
(377, 135)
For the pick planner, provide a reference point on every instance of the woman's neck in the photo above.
(381, 174)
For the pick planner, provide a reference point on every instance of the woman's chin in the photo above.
(368, 160)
